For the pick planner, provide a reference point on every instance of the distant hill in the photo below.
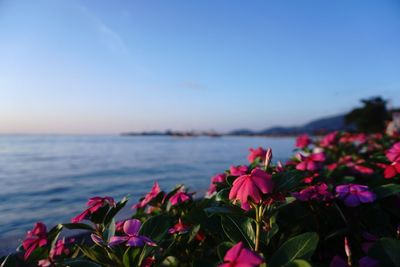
(318, 126)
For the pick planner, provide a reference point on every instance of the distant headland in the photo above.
(315, 127)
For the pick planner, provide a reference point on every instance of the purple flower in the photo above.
(132, 237)
(354, 194)
(315, 192)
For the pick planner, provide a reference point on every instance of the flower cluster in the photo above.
(339, 187)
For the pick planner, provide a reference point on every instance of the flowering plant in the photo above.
(334, 203)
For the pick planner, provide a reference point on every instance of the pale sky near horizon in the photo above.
(70, 66)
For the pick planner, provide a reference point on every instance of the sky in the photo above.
(69, 66)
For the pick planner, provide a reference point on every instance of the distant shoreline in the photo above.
(214, 135)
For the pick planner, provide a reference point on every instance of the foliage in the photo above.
(293, 214)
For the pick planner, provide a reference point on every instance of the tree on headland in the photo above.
(370, 118)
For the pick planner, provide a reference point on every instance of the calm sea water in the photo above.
(50, 177)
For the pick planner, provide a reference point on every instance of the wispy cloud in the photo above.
(113, 40)
(192, 85)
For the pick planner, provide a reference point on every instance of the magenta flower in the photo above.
(328, 139)
(391, 170)
(219, 178)
(180, 197)
(94, 204)
(252, 186)
(45, 263)
(354, 194)
(315, 192)
(155, 190)
(257, 153)
(311, 162)
(239, 256)
(131, 237)
(393, 154)
(179, 228)
(35, 238)
(303, 141)
(238, 170)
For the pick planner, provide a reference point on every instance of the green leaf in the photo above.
(222, 195)
(9, 261)
(286, 181)
(156, 227)
(78, 226)
(298, 263)
(193, 232)
(223, 210)
(298, 247)
(94, 253)
(238, 229)
(80, 263)
(223, 248)
(130, 256)
(113, 211)
(387, 190)
(110, 231)
(386, 251)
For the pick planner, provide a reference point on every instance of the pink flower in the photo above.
(354, 194)
(303, 141)
(219, 178)
(155, 190)
(257, 153)
(393, 154)
(279, 167)
(357, 167)
(119, 226)
(328, 139)
(179, 228)
(251, 186)
(316, 192)
(59, 249)
(180, 197)
(35, 238)
(238, 170)
(94, 204)
(392, 170)
(239, 256)
(148, 262)
(310, 179)
(45, 263)
(131, 237)
(311, 162)
(353, 138)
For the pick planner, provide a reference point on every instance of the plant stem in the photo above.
(258, 227)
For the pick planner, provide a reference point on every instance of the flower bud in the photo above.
(347, 250)
(268, 158)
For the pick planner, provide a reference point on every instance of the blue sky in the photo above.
(110, 66)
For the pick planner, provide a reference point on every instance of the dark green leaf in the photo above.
(80, 263)
(387, 190)
(298, 263)
(238, 229)
(386, 251)
(78, 226)
(156, 227)
(298, 247)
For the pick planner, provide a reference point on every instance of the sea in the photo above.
(49, 178)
